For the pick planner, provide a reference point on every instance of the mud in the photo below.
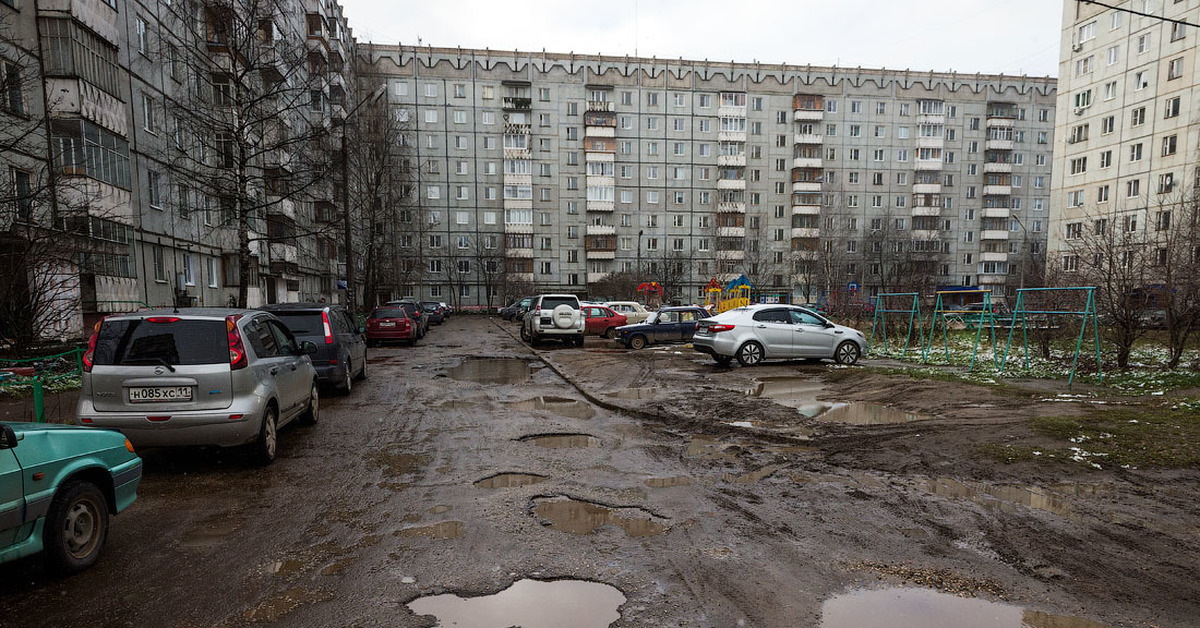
(582, 517)
(529, 604)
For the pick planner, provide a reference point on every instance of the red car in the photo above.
(390, 323)
(602, 321)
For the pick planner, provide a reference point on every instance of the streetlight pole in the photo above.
(639, 257)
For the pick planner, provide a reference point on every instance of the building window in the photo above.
(1175, 69)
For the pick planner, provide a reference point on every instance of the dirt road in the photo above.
(680, 492)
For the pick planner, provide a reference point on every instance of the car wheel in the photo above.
(372, 344)
(313, 413)
(750, 354)
(637, 342)
(76, 527)
(524, 334)
(412, 342)
(268, 437)
(579, 341)
(362, 372)
(610, 332)
(723, 360)
(347, 385)
(847, 353)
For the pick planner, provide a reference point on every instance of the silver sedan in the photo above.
(776, 332)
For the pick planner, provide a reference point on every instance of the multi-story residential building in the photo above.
(1126, 136)
(807, 180)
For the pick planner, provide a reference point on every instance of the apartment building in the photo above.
(145, 104)
(808, 180)
(1126, 136)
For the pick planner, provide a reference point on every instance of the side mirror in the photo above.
(307, 348)
(8, 438)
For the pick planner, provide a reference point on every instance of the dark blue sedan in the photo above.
(668, 325)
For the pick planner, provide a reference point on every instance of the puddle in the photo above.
(438, 510)
(464, 404)
(510, 480)
(1006, 498)
(396, 464)
(491, 371)
(529, 604)
(866, 414)
(562, 406)
(710, 449)
(288, 567)
(582, 517)
(925, 608)
(562, 441)
(276, 606)
(212, 532)
(753, 477)
(438, 531)
(634, 393)
(681, 480)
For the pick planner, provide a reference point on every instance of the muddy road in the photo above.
(595, 486)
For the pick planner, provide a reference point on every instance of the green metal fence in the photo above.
(41, 372)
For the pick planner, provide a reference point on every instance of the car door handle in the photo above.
(762, 326)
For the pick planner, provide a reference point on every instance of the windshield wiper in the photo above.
(161, 361)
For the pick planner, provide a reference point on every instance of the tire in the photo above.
(313, 413)
(524, 333)
(371, 344)
(750, 354)
(76, 527)
(412, 342)
(362, 372)
(578, 341)
(564, 316)
(347, 384)
(846, 353)
(637, 342)
(267, 444)
(610, 332)
(723, 360)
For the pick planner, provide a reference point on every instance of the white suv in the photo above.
(554, 316)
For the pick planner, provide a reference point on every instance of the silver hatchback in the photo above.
(198, 376)
(776, 332)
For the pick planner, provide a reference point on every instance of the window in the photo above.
(1135, 152)
(1141, 80)
(1105, 159)
(141, 34)
(1107, 124)
(1102, 194)
(1114, 54)
(1087, 32)
(1137, 117)
(1169, 145)
(1133, 188)
(1074, 230)
(1175, 69)
(431, 90)
(1172, 108)
(1143, 43)
(1129, 223)
(1079, 165)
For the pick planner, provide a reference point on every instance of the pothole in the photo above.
(491, 371)
(801, 393)
(562, 441)
(1006, 498)
(578, 516)
(439, 531)
(711, 449)
(529, 604)
(866, 414)
(510, 480)
(634, 393)
(679, 480)
(924, 608)
(562, 406)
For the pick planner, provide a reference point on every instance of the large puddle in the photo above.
(582, 517)
(801, 393)
(925, 608)
(510, 480)
(634, 393)
(529, 604)
(562, 441)
(1055, 499)
(491, 371)
(562, 406)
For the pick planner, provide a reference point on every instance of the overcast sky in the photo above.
(991, 36)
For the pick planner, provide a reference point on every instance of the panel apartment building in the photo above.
(117, 126)
(1127, 135)
(809, 180)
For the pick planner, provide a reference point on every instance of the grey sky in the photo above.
(991, 36)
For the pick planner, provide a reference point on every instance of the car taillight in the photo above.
(716, 328)
(89, 356)
(237, 350)
(163, 319)
(327, 327)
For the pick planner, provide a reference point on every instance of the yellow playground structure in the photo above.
(718, 298)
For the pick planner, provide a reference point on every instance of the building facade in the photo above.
(809, 181)
(1126, 137)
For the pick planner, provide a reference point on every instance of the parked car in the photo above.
(776, 332)
(447, 309)
(634, 312)
(670, 324)
(602, 321)
(433, 309)
(58, 486)
(516, 310)
(556, 316)
(198, 376)
(415, 312)
(388, 324)
(341, 356)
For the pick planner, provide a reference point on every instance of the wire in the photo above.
(1156, 17)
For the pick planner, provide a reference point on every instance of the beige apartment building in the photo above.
(811, 181)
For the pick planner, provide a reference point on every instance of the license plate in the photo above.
(160, 393)
(387, 324)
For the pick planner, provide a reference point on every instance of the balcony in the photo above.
(731, 184)
(925, 210)
(993, 280)
(924, 235)
(601, 254)
(930, 142)
(806, 232)
(806, 210)
(996, 167)
(998, 145)
(519, 203)
(993, 257)
(1001, 123)
(993, 234)
(596, 277)
(731, 232)
(599, 131)
(806, 186)
(996, 212)
(514, 103)
(732, 160)
(519, 253)
(809, 138)
(925, 165)
(601, 230)
(595, 155)
(927, 188)
(931, 118)
(731, 255)
(997, 190)
(601, 105)
(517, 128)
(597, 118)
(731, 111)
(516, 153)
(806, 162)
(518, 179)
(732, 136)
(600, 206)
(731, 208)
(808, 115)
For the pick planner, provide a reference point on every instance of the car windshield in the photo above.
(549, 303)
(304, 325)
(389, 313)
(175, 341)
(653, 318)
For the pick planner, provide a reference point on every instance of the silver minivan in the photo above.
(198, 376)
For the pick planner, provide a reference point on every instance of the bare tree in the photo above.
(1174, 236)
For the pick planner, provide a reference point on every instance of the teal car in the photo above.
(58, 485)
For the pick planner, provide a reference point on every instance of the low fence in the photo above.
(39, 374)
